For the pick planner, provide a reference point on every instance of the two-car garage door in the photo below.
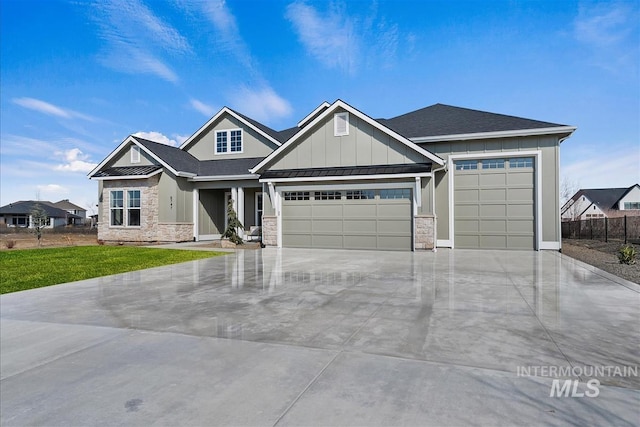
(494, 203)
(348, 219)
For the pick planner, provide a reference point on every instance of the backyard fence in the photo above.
(624, 229)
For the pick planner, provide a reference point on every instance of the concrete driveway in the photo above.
(312, 337)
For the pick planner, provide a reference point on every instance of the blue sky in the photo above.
(77, 77)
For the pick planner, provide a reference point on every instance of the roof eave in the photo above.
(568, 130)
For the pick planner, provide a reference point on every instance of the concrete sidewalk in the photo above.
(310, 337)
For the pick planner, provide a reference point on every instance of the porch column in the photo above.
(196, 206)
(240, 209)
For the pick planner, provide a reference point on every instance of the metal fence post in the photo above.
(591, 228)
(606, 229)
(625, 229)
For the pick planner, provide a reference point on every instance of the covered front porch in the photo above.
(211, 216)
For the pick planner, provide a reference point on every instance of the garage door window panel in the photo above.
(521, 163)
(327, 195)
(464, 165)
(296, 195)
(396, 193)
(493, 163)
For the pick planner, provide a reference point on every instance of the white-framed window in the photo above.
(361, 195)
(465, 165)
(631, 205)
(296, 195)
(135, 154)
(396, 193)
(493, 164)
(327, 195)
(521, 162)
(124, 212)
(20, 221)
(229, 141)
(341, 124)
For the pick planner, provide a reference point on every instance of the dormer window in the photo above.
(341, 124)
(135, 154)
(229, 141)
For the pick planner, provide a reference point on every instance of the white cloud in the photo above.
(157, 137)
(344, 41)
(261, 104)
(180, 138)
(50, 109)
(619, 168)
(75, 161)
(136, 38)
(331, 38)
(201, 107)
(603, 25)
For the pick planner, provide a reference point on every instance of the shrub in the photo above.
(627, 255)
(233, 224)
(9, 244)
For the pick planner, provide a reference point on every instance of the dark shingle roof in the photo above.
(288, 133)
(26, 206)
(228, 166)
(266, 129)
(603, 198)
(67, 205)
(348, 171)
(179, 160)
(127, 171)
(440, 119)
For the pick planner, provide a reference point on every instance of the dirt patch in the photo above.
(52, 240)
(603, 255)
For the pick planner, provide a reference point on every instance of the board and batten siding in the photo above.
(364, 146)
(253, 144)
(175, 199)
(124, 159)
(548, 170)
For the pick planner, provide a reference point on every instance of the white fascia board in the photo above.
(226, 110)
(498, 134)
(360, 115)
(116, 151)
(131, 140)
(224, 177)
(325, 104)
(347, 178)
(113, 178)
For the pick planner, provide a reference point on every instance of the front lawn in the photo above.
(28, 269)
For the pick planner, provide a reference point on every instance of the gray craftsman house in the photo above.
(439, 176)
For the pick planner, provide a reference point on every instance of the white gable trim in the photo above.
(360, 115)
(308, 117)
(128, 140)
(131, 140)
(498, 134)
(226, 110)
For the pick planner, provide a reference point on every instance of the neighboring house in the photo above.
(602, 203)
(439, 176)
(79, 212)
(18, 214)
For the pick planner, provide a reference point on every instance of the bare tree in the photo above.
(571, 209)
(39, 221)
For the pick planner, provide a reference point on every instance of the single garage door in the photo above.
(347, 219)
(494, 203)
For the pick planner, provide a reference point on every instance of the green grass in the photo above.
(34, 268)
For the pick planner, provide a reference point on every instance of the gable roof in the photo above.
(343, 105)
(24, 207)
(265, 131)
(67, 205)
(227, 167)
(440, 120)
(128, 171)
(179, 160)
(603, 198)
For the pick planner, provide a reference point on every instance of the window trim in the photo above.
(125, 208)
(344, 115)
(629, 206)
(135, 154)
(228, 143)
